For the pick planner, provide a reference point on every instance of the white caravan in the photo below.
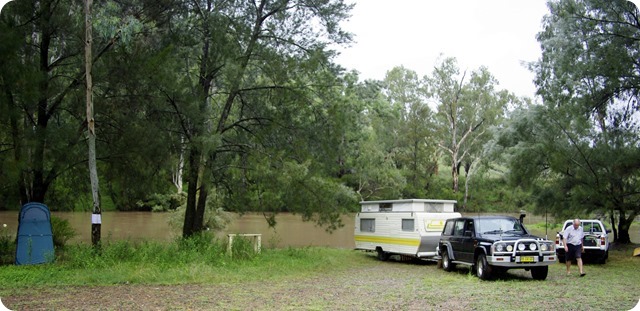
(405, 227)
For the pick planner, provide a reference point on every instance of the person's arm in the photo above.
(564, 240)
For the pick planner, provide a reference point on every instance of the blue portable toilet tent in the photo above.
(34, 242)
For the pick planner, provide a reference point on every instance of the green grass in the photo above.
(612, 286)
(193, 261)
(321, 278)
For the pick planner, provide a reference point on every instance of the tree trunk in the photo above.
(455, 175)
(613, 225)
(96, 221)
(624, 223)
(38, 187)
(179, 170)
(467, 177)
(192, 191)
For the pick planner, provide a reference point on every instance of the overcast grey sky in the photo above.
(498, 34)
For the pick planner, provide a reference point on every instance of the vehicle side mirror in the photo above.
(560, 235)
(468, 233)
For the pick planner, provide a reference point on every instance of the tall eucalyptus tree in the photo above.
(466, 108)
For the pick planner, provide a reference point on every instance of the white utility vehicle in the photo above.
(596, 240)
(409, 227)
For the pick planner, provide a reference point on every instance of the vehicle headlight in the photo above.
(499, 247)
(521, 246)
(533, 246)
(544, 247)
(509, 248)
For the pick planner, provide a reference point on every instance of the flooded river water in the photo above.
(136, 226)
(289, 231)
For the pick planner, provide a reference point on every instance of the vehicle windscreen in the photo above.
(500, 226)
(587, 227)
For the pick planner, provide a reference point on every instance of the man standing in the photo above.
(573, 247)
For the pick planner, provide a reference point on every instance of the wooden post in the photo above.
(96, 216)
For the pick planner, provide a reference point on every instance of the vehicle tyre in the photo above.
(540, 273)
(561, 259)
(382, 255)
(603, 260)
(447, 265)
(483, 269)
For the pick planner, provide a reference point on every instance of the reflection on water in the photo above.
(289, 231)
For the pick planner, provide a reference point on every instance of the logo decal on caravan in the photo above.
(434, 225)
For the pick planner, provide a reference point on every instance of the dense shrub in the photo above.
(7, 246)
(62, 231)
(163, 202)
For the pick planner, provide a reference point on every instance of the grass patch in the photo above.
(192, 261)
(198, 274)
(612, 286)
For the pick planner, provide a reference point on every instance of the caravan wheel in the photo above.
(382, 255)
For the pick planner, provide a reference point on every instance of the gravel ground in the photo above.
(397, 287)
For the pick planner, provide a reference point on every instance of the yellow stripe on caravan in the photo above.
(387, 240)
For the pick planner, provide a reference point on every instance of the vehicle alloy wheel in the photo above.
(447, 265)
(483, 269)
(540, 273)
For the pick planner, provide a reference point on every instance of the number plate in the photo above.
(527, 259)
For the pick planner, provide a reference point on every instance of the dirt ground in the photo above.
(353, 289)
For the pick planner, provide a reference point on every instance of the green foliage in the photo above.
(163, 202)
(413, 136)
(215, 217)
(288, 186)
(62, 231)
(7, 246)
(198, 248)
(243, 248)
(579, 152)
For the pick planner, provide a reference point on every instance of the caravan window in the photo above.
(408, 225)
(367, 225)
(386, 207)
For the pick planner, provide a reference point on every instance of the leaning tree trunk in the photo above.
(96, 220)
(613, 225)
(624, 223)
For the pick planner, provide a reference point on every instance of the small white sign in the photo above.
(96, 219)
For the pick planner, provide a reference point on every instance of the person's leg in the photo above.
(568, 256)
(579, 260)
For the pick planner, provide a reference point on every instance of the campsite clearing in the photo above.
(352, 280)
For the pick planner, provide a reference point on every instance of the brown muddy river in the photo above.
(137, 226)
(289, 231)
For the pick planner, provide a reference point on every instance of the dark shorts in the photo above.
(575, 251)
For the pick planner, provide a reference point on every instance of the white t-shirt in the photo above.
(573, 236)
